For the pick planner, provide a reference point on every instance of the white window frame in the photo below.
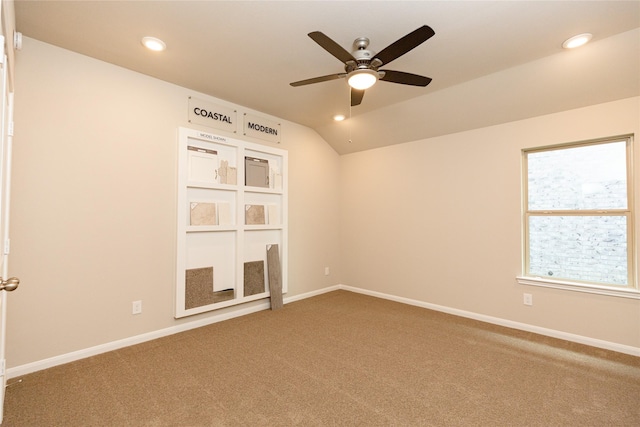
(629, 291)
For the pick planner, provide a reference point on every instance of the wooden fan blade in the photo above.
(405, 44)
(318, 79)
(356, 96)
(332, 47)
(404, 78)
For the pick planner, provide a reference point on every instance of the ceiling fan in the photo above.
(362, 65)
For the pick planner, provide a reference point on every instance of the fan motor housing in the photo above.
(363, 54)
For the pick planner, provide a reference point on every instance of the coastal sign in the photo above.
(212, 115)
(260, 127)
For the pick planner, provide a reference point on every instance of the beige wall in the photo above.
(93, 209)
(439, 221)
(93, 214)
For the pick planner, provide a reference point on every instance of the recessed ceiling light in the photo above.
(577, 41)
(154, 44)
(338, 117)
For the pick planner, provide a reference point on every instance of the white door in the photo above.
(6, 284)
(7, 24)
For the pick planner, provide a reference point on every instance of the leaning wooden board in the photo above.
(275, 276)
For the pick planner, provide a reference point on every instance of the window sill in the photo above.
(579, 287)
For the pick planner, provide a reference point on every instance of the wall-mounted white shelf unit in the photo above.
(232, 205)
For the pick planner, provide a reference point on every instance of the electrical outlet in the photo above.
(326, 271)
(136, 307)
(528, 299)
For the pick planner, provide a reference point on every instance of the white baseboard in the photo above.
(313, 293)
(39, 365)
(115, 345)
(593, 342)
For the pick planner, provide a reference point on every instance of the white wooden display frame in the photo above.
(227, 247)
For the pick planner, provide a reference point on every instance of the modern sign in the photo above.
(259, 127)
(212, 115)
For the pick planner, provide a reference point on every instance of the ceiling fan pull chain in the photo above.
(350, 107)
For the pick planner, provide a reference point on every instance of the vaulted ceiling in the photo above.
(491, 61)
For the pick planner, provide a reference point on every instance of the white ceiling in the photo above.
(247, 53)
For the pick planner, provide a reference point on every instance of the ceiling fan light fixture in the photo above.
(154, 44)
(362, 79)
(577, 41)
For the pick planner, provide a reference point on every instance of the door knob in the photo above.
(10, 284)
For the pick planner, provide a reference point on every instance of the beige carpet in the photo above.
(338, 359)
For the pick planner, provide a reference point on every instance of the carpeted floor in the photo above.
(338, 359)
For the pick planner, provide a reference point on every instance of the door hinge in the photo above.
(3, 364)
(10, 130)
(7, 246)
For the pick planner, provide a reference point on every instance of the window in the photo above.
(578, 222)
